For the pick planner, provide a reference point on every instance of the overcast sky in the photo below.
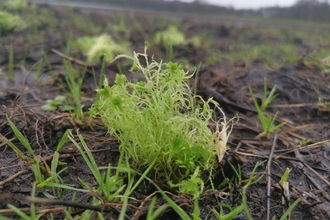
(250, 4)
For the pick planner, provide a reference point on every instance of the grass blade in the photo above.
(20, 136)
(288, 212)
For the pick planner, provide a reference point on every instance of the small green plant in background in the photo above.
(56, 103)
(159, 118)
(267, 121)
(243, 207)
(74, 81)
(8, 21)
(71, 101)
(22, 62)
(46, 59)
(96, 47)
(325, 63)
(319, 58)
(170, 36)
(16, 5)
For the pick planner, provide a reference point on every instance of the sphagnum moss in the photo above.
(148, 115)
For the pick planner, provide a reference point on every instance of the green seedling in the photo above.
(154, 213)
(237, 179)
(74, 80)
(54, 104)
(150, 114)
(267, 121)
(108, 186)
(170, 202)
(54, 180)
(99, 82)
(37, 162)
(45, 58)
(33, 159)
(38, 69)
(243, 207)
(285, 184)
(26, 51)
(285, 176)
(289, 210)
(268, 96)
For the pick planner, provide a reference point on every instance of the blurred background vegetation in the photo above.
(313, 10)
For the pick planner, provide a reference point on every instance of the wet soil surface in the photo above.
(301, 145)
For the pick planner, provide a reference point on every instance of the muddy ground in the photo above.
(301, 145)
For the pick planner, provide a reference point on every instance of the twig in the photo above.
(269, 176)
(310, 146)
(2, 183)
(109, 207)
(38, 210)
(316, 173)
(79, 62)
(140, 208)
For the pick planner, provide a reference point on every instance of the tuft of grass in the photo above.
(159, 118)
(33, 159)
(72, 100)
(108, 186)
(243, 207)
(267, 121)
(74, 81)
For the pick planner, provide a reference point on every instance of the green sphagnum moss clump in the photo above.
(8, 21)
(16, 5)
(170, 36)
(97, 46)
(157, 119)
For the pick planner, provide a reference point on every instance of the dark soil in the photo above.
(300, 87)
